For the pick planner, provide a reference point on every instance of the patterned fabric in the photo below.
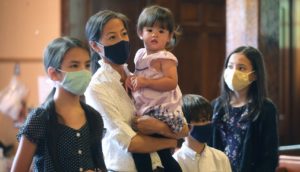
(152, 102)
(173, 119)
(73, 148)
(259, 148)
(233, 132)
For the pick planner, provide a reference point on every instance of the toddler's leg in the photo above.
(169, 163)
(142, 162)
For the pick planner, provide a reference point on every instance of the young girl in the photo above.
(64, 134)
(154, 83)
(245, 119)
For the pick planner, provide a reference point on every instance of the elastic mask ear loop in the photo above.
(102, 47)
(62, 71)
(252, 78)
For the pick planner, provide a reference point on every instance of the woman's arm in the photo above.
(118, 127)
(147, 144)
(24, 156)
(149, 125)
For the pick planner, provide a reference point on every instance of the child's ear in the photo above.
(253, 76)
(95, 46)
(140, 35)
(52, 73)
(171, 36)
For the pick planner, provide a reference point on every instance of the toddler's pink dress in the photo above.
(163, 105)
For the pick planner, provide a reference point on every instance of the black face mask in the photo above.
(201, 133)
(117, 53)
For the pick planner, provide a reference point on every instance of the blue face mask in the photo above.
(76, 82)
(117, 53)
(201, 133)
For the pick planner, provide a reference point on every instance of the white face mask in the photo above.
(236, 80)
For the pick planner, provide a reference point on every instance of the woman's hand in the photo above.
(147, 125)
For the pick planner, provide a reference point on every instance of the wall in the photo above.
(26, 28)
(296, 73)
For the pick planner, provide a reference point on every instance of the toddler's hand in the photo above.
(128, 85)
(137, 82)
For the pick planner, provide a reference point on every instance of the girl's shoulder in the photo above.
(216, 103)
(158, 55)
(38, 115)
(90, 109)
(268, 102)
(269, 107)
(167, 55)
(35, 125)
(92, 113)
(139, 54)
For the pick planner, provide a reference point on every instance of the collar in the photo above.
(193, 154)
(109, 69)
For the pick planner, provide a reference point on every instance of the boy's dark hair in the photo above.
(196, 108)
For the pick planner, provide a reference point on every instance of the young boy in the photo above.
(195, 155)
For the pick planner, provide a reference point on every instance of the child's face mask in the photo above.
(201, 133)
(76, 82)
(236, 80)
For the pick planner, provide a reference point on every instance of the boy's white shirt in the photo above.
(210, 160)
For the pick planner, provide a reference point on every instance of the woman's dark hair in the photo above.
(258, 88)
(53, 57)
(94, 28)
(196, 108)
(163, 16)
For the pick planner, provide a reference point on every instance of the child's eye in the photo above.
(161, 31)
(241, 68)
(74, 66)
(88, 65)
(149, 30)
(230, 67)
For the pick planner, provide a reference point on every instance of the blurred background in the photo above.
(211, 29)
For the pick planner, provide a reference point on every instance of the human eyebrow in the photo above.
(109, 34)
(242, 65)
(124, 30)
(73, 63)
